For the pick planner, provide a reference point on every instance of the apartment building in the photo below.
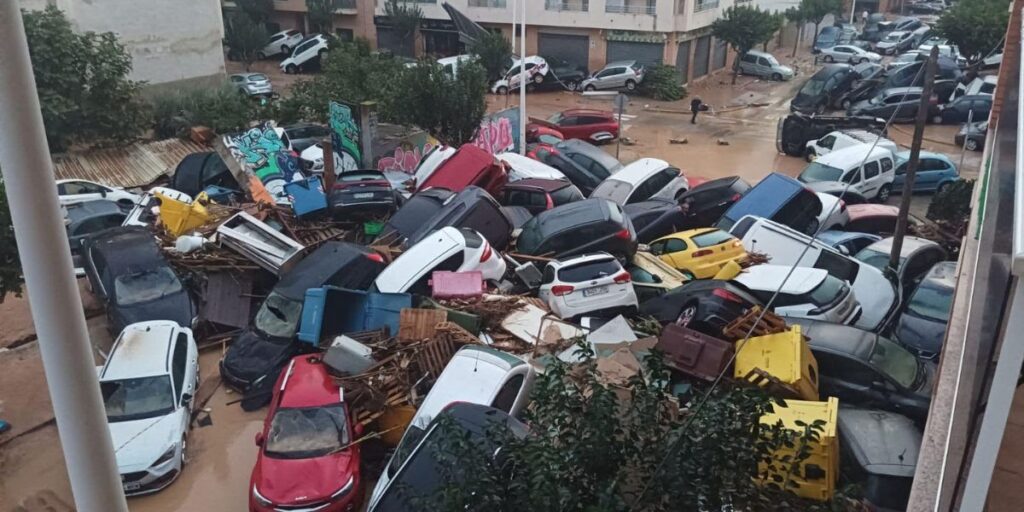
(352, 18)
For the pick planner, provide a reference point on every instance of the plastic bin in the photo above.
(331, 311)
(307, 196)
(180, 217)
(818, 474)
(694, 353)
(456, 285)
(782, 363)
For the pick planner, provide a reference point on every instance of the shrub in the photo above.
(223, 109)
(661, 82)
(953, 204)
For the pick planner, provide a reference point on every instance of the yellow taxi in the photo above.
(698, 253)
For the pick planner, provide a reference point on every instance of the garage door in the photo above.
(644, 53)
(575, 50)
(701, 56)
(683, 60)
(388, 40)
(720, 52)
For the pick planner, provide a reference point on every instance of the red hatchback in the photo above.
(470, 165)
(305, 460)
(594, 126)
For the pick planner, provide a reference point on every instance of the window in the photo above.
(80, 187)
(178, 363)
(852, 177)
(870, 170)
(675, 245)
(549, 275)
(236, 78)
(589, 270)
(611, 72)
(703, 5)
(764, 62)
(99, 224)
(583, 161)
(658, 248)
(712, 238)
(506, 396)
(749, 59)
(837, 265)
(886, 164)
(525, 198)
(345, 34)
(827, 141)
(566, 195)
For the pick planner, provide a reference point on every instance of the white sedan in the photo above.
(849, 53)
(80, 191)
(593, 284)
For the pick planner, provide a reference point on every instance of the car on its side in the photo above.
(304, 135)
(306, 456)
(780, 198)
(78, 191)
(935, 172)
(865, 369)
(472, 208)
(306, 54)
(847, 242)
(626, 74)
(148, 383)
(864, 169)
(87, 218)
(850, 54)
(898, 103)
(582, 227)
(764, 65)
(451, 249)
(793, 132)
(976, 107)
(591, 284)
(252, 84)
(917, 256)
(651, 277)
(823, 89)
(972, 136)
(594, 126)
(476, 375)
(705, 203)
(706, 305)
(256, 357)
(521, 167)
(584, 164)
(538, 195)
(699, 253)
(842, 139)
(922, 326)
(802, 292)
(128, 272)
(827, 38)
(644, 179)
(281, 42)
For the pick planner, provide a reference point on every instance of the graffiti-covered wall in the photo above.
(405, 153)
(344, 122)
(262, 154)
(499, 132)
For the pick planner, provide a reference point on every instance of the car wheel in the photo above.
(971, 145)
(125, 203)
(572, 85)
(777, 77)
(538, 78)
(630, 85)
(591, 88)
(285, 50)
(809, 154)
(846, 103)
(828, 58)
(937, 119)
(687, 314)
(864, 60)
(503, 90)
(291, 69)
(883, 193)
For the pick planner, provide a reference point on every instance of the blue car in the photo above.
(934, 172)
(847, 242)
(922, 326)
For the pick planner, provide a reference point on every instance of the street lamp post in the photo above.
(522, 78)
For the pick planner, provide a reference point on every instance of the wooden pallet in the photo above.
(769, 324)
(771, 384)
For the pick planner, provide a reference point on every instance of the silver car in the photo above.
(849, 53)
(252, 84)
(764, 65)
(616, 75)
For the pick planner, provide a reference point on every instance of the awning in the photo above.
(469, 30)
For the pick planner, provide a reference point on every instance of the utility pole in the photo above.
(522, 79)
(915, 154)
(50, 280)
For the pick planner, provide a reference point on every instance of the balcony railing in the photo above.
(703, 5)
(498, 4)
(567, 5)
(345, 4)
(627, 8)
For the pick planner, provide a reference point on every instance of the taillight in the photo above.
(737, 243)
(623, 234)
(727, 295)
(703, 252)
(375, 257)
(561, 290)
(548, 203)
(623, 277)
(486, 255)
(736, 197)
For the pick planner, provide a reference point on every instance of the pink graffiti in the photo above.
(404, 160)
(495, 136)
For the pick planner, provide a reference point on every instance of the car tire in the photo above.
(573, 85)
(503, 90)
(777, 77)
(971, 144)
(125, 203)
(846, 104)
(937, 119)
(630, 85)
(291, 69)
(942, 187)
(590, 88)
(809, 154)
(864, 60)
(883, 193)
(687, 314)
(828, 58)
(538, 78)
(285, 50)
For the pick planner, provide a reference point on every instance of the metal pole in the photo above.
(853, 11)
(915, 154)
(963, 149)
(618, 140)
(515, 14)
(50, 281)
(522, 80)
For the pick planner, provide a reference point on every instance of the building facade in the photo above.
(171, 43)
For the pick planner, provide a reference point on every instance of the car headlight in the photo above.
(259, 498)
(168, 455)
(345, 489)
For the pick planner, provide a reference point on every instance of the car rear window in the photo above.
(712, 238)
(473, 240)
(613, 190)
(837, 265)
(741, 228)
(828, 292)
(589, 270)
(566, 194)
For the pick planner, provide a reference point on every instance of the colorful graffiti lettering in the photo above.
(498, 133)
(262, 152)
(404, 160)
(345, 138)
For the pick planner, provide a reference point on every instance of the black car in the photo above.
(705, 305)
(655, 218)
(592, 225)
(872, 76)
(583, 163)
(899, 103)
(304, 135)
(471, 208)
(258, 354)
(706, 203)
(879, 452)
(975, 106)
(423, 205)
(823, 88)
(84, 219)
(127, 270)
(363, 194)
(197, 171)
(972, 136)
(922, 326)
(947, 76)
(862, 368)
(537, 195)
(796, 130)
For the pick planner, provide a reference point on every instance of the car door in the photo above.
(618, 77)
(907, 105)
(870, 183)
(182, 385)
(929, 170)
(845, 378)
(676, 253)
(840, 54)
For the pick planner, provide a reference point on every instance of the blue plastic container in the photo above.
(331, 311)
(307, 196)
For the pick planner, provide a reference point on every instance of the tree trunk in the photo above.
(816, 23)
(764, 46)
(796, 40)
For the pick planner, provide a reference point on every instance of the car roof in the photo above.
(587, 111)
(726, 182)
(902, 90)
(461, 169)
(307, 384)
(590, 150)
(527, 165)
(884, 443)
(759, 53)
(318, 267)
(640, 170)
(127, 248)
(618, 63)
(572, 214)
(472, 375)
(860, 211)
(141, 350)
(541, 183)
(832, 237)
(690, 233)
(852, 154)
(752, 203)
(837, 338)
(911, 244)
(770, 277)
(828, 70)
(903, 156)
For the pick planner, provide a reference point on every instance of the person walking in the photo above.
(864, 18)
(695, 107)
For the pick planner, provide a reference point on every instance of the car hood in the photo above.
(252, 355)
(824, 186)
(786, 70)
(296, 482)
(920, 334)
(138, 443)
(885, 44)
(177, 307)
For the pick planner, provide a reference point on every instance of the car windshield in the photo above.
(589, 270)
(896, 362)
(530, 237)
(555, 119)
(893, 37)
(876, 259)
(145, 286)
(813, 87)
(412, 437)
(877, 100)
(932, 302)
(257, 77)
(771, 60)
(299, 433)
(137, 399)
(827, 292)
(816, 171)
(712, 238)
(278, 316)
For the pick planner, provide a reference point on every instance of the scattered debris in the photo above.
(683, 140)
(722, 142)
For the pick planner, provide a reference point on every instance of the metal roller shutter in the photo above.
(644, 53)
(701, 56)
(721, 49)
(574, 50)
(683, 60)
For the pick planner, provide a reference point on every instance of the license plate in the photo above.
(131, 486)
(364, 195)
(590, 292)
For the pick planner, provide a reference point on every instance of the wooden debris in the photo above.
(683, 140)
(771, 384)
(419, 324)
(769, 324)
(722, 142)
(755, 258)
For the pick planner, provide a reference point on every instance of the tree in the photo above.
(82, 81)
(799, 18)
(775, 27)
(976, 27)
(10, 264)
(743, 27)
(259, 10)
(662, 83)
(405, 19)
(450, 108)
(321, 15)
(244, 38)
(494, 53)
(816, 10)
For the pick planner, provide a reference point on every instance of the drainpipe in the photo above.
(50, 281)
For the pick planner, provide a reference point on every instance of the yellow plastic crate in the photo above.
(819, 472)
(179, 217)
(784, 356)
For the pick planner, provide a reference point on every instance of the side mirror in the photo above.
(358, 430)
(186, 398)
(103, 193)
(259, 439)
(843, 250)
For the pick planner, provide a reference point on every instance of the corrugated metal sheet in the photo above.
(133, 166)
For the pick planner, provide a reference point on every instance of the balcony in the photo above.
(495, 4)
(345, 5)
(630, 7)
(703, 5)
(567, 5)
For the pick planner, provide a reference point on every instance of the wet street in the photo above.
(737, 137)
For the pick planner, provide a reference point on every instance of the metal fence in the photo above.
(703, 5)
(626, 8)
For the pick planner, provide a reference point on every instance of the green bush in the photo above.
(224, 110)
(952, 204)
(662, 83)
